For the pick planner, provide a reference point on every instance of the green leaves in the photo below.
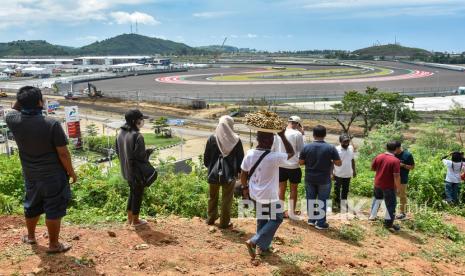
(375, 108)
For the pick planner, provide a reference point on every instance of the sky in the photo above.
(260, 24)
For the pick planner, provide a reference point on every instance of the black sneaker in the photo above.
(322, 227)
(311, 222)
(394, 227)
(401, 216)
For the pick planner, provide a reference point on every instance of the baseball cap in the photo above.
(133, 115)
(295, 119)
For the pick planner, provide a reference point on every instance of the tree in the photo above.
(374, 108)
(161, 128)
(457, 118)
(91, 130)
(350, 103)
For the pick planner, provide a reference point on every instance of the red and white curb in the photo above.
(414, 74)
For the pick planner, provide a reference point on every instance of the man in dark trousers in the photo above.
(46, 164)
(387, 182)
(319, 158)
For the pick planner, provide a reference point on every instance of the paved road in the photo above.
(147, 86)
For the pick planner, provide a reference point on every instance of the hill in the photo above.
(135, 44)
(125, 44)
(34, 48)
(218, 48)
(391, 50)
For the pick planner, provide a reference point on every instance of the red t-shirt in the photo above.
(385, 165)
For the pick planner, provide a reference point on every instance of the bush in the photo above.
(99, 143)
(432, 224)
(101, 193)
(351, 232)
(376, 141)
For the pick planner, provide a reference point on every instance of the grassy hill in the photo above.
(391, 50)
(34, 48)
(132, 44)
(218, 48)
(125, 44)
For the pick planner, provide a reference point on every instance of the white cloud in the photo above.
(211, 14)
(374, 8)
(251, 35)
(233, 36)
(36, 12)
(139, 17)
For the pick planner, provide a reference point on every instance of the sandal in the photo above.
(25, 239)
(251, 249)
(285, 215)
(62, 248)
(141, 222)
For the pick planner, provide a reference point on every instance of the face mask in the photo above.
(141, 124)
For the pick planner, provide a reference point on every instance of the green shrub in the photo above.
(351, 232)
(431, 223)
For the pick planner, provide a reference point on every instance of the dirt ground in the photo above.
(175, 246)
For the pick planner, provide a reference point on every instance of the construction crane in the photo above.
(218, 53)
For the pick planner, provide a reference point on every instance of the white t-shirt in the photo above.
(296, 140)
(264, 183)
(346, 155)
(453, 174)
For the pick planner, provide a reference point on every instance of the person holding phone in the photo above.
(130, 147)
(46, 165)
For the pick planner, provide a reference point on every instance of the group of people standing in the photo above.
(265, 171)
(261, 174)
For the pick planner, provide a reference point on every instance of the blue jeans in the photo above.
(452, 192)
(390, 199)
(267, 224)
(322, 193)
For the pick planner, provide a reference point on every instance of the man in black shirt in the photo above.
(46, 164)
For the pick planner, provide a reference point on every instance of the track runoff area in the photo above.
(242, 82)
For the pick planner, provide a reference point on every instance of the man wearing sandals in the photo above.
(260, 181)
(291, 171)
(46, 164)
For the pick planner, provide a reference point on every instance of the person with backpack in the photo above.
(223, 157)
(135, 165)
(260, 182)
(455, 167)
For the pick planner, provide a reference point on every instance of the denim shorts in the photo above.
(49, 195)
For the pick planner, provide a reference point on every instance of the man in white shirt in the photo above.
(291, 170)
(344, 173)
(260, 181)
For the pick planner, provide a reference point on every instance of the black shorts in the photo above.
(50, 195)
(293, 175)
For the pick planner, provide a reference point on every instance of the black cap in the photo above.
(133, 115)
